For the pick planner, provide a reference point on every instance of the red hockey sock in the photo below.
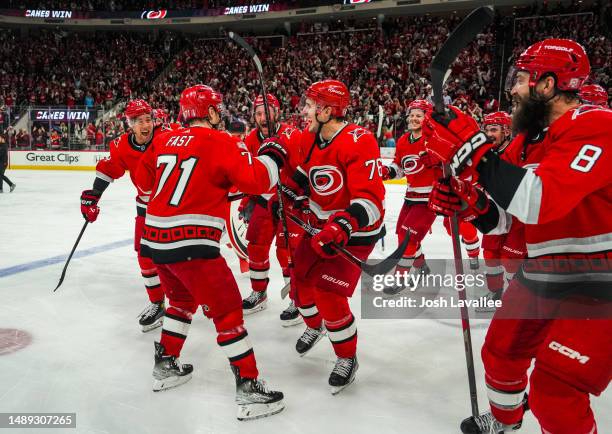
(177, 320)
(469, 238)
(151, 279)
(234, 340)
(259, 266)
(306, 306)
(339, 322)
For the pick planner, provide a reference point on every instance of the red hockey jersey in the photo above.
(406, 163)
(290, 139)
(345, 172)
(189, 173)
(125, 154)
(565, 198)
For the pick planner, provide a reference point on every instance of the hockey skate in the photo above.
(492, 296)
(168, 371)
(254, 399)
(152, 316)
(343, 374)
(474, 264)
(308, 340)
(487, 424)
(12, 187)
(290, 316)
(255, 302)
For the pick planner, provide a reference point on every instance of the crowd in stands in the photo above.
(384, 65)
(78, 69)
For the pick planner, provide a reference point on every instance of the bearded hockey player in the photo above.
(262, 215)
(342, 172)
(415, 217)
(189, 173)
(557, 309)
(125, 152)
(502, 253)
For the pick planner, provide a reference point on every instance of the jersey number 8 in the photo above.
(586, 158)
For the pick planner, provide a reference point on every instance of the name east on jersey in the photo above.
(179, 140)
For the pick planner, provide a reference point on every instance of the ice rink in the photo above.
(83, 351)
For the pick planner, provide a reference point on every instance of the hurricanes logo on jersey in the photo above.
(357, 133)
(288, 132)
(410, 164)
(325, 180)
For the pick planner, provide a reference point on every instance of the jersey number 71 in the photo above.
(169, 162)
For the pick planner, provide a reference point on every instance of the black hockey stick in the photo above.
(465, 32)
(70, 256)
(281, 206)
(382, 267)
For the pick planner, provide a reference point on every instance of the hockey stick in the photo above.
(382, 267)
(70, 256)
(465, 32)
(281, 206)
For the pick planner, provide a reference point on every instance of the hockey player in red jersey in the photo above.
(502, 252)
(188, 173)
(415, 217)
(594, 94)
(342, 172)
(125, 152)
(162, 120)
(262, 215)
(557, 308)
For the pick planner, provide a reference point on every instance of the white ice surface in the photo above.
(88, 355)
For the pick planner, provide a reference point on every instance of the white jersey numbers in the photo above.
(586, 158)
(186, 168)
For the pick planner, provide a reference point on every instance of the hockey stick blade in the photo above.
(382, 267)
(244, 44)
(463, 34)
(70, 256)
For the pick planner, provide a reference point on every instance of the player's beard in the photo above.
(530, 116)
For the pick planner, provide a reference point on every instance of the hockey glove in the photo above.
(455, 138)
(336, 232)
(388, 172)
(458, 196)
(89, 205)
(245, 209)
(429, 159)
(273, 149)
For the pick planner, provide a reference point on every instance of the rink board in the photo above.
(55, 160)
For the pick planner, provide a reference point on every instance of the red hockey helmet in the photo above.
(594, 94)
(497, 118)
(564, 58)
(330, 93)
(137, 107)
(421, 104)
(272, 101)
(196, 100)
(160, 114)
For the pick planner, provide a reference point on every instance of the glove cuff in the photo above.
(346, 222)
